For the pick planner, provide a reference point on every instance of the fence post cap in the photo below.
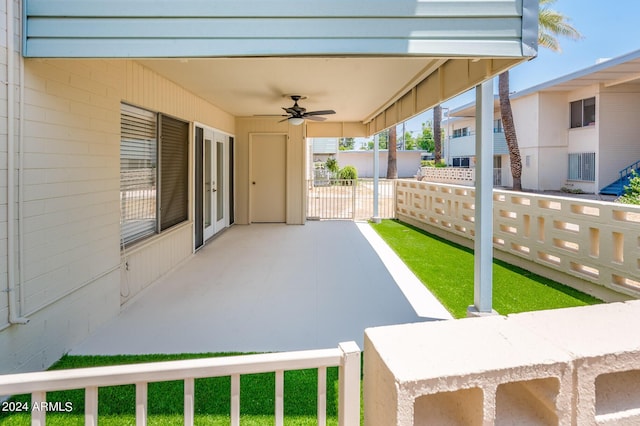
(349, 347)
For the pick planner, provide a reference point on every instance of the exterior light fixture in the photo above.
(296, 121)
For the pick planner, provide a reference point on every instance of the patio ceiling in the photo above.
(355, 88)
(373, 62)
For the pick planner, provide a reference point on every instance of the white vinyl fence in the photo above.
(349, 199)
(346, 357)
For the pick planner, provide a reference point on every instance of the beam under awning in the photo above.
(453, 77)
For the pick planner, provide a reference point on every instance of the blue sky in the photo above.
(609, 29)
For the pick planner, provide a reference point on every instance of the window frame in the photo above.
(159, 177)
(581, 166)
(580, 106)
(461, 132)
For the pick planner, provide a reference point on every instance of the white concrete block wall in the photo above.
(71, 252)
(70, 246)
(575, 366)
(472, 371)
(55, 329)
(605, 351)
(589, 245)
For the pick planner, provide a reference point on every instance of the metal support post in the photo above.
(483, 242)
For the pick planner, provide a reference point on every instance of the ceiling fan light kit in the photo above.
(296, 121)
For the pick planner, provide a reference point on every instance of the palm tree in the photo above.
(551, 25)
(392, 167)
(437, 133)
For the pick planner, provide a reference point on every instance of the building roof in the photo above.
(610, 72)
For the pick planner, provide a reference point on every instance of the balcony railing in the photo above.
(350, 199)
(346, 357)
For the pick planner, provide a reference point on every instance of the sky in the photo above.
(609, 29)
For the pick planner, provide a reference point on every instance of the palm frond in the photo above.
(551, 25)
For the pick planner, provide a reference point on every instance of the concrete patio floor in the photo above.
(271, 287)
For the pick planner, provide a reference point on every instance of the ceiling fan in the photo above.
(297, 114)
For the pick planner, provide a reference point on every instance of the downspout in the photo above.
(14, 317)
(21, 267)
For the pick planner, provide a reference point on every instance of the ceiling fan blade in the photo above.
(270, 115)
(314, 118)
(284, 120)
(325, 112)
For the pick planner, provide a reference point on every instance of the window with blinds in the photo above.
(582, 166)
(138, 161)
(174, 137)
(153, 173)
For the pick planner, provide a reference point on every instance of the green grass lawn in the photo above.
(116, 404)
(446, 269)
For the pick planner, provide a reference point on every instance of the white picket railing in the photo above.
(346, 356)
(351, 199)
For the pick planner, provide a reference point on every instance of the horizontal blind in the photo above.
(138, 163)
(582, 166)
(174, 143)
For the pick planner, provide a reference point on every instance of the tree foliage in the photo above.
(332, 165)
(632, 191)
(409, 141)
(346, 144)
(425, 140)
(383, 138)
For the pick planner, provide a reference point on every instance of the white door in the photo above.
(221, 182)
(216, 182)
(268, 178)
(209, 185)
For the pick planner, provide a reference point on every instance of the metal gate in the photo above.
(349, 199)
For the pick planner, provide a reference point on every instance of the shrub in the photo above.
(348, 172)
(571, 190)
(432, 163)
(332, 165)
(632, 191)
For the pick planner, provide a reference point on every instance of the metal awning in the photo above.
(375, 62)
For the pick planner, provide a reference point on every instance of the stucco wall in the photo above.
(71, 253)
(619, 130)
(585, 139)
(552, 139)
(526, 119)
(408, 162)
